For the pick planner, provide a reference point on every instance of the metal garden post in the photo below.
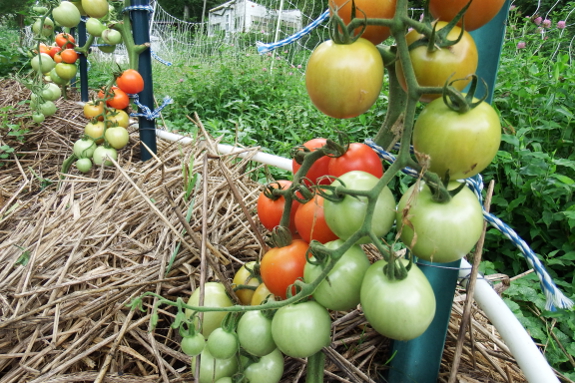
(418, 360)
(83, 63)
(141, 32)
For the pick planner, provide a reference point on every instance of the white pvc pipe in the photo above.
(532, 363)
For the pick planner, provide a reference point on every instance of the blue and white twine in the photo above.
(146, 111)
(554, 296)
(265, 48)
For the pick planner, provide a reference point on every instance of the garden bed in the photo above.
(74, 252)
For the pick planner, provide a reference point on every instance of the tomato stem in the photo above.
(315, 366)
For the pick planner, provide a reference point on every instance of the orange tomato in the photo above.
(69, 56)
(381, 9)
(65, 40)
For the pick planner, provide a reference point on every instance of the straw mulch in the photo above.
(91, 243)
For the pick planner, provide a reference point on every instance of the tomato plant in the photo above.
(69, 56)
(95, 130)
(270, 210)
(93, 109)
(244, 276)
(282, 266)
(84, 148)
(269, 369)
(193, 345)
(95, 8)
(445, 231)
(462, 143)
(380, 9)
(118, 117)
(346, 217)
(433, 68)
(340, 291)
(310, 221)
(357, 157)
(300, 330)
(66, 71)
(344, 80)
(319, 168)
(214, 296)
(212, 369)
(130, 81)
(477, 15)
(222, 344)
(397, 309)
(255, 333)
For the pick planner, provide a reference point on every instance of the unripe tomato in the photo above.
(244, 277)
(95, 130)
(95, 8)
(255, 333)
(92, 109)
(117, 137)
(111, 36)
(66, 71)
(84, 165)
(118, 117)
(42, 63)
(95, 27)
(84, 148)
(214, 296)
(101, 153)
(212, 369)
(47, 28)
(48, 108)
(261, 294)
(66, 14)
(193, 345)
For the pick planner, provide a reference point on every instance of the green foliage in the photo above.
(9, 132)
(12, 56)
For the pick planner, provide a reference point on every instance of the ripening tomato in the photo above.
(117, 137)
(95, 130)
(444, 232)
(261, 294)
(66, 14)
(69, 56)
(344, 80)
(95, 8)
(357, 157)
(398, 309)
(118, 117)
(270, 211)
(57, 58)
(130, 81)
(66, 71)
(436, 67)
(462, 143)
(244, 276)
(268, 369)
(319, 168)
(93, 109)
(282, 266)
(101, 155)
(53, 51)
(65, 40)
(371, 9)
(477, 15)
(310, 221)
(118, 98)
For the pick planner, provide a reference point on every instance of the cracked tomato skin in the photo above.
(462, 143)
(344, 80)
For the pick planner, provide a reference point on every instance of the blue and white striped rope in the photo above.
(554, 296)
(265, 48)
(159, 59)
(146, 111)
(147, 8)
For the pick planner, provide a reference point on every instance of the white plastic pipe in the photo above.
(532, 363)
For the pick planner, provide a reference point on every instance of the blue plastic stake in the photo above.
(141, 31)
(419, 360)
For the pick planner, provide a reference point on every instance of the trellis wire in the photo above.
(554, 297)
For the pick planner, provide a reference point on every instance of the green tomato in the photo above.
(101, 153)
(212, 369)
(84, 165)
(84, 148)
(269, 369)
(95, 8)
(446, 231)
(66, 14)
(214, 296)
(95, 27)
(462, 143)
(42, 63)
(117, 137)
(222, 344)
(51, 92)
(302, 329)
(346, 217)
(47, 108)
(255, 333)
(397, 309)
(193, 345)
(111, 36)
(57, 79)
(340, 290)
(47, 28)
(105, 48)
(225, 379)
(66, 71)
(38, 118)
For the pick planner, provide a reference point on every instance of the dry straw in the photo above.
(91, 243)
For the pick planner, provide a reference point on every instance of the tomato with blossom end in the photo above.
(282, 266)
(319, 168)
(357, 157)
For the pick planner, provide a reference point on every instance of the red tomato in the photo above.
(65, 40)
(69, 56)
(358, 157)
(282, 266)
(477, 15)
(319, 168)
(371, 9)
(52, 51)
(118, 99)
(270, 211)
(130, 81)
(310, 222)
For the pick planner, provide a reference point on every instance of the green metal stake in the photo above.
(84, 97)
(419, 360)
